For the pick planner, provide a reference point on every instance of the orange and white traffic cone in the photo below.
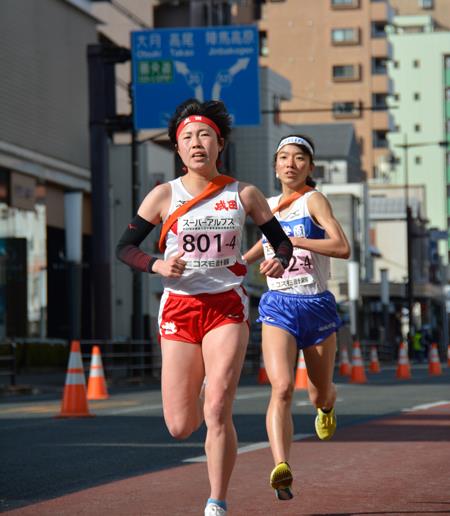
(374, 366)
(96, 385)
(263, 379)
(74, 402)
(345, 368)
(403, 368)
(301, 374)
(434, 363)
(358, 373)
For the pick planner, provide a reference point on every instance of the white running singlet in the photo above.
(210, 236)
(307, 272)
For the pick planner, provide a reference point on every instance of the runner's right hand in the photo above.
(173, 267)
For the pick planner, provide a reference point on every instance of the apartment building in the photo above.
(420, 72)
(335, 54)
(439, 10)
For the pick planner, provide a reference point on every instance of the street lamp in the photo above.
(409, 234)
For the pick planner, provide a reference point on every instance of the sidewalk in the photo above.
(392, 465)
(50, 384)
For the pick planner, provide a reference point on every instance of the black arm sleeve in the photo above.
(278, 240)
(127, 249)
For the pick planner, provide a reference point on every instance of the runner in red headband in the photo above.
(203, 317)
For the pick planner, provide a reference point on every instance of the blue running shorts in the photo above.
(308, 318)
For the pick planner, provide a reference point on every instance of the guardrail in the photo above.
(8, 360)
(132, 357)
(121, 358)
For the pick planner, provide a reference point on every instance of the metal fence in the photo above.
(122, 359)
(8, 365)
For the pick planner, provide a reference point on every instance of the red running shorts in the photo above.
(190, 318)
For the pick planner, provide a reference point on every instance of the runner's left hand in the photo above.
(271, 268)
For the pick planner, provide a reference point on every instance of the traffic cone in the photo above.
(434, 363)
(403, 368)
(96, 385)
(301, 375)
(262, 375)
(358, 374)
(448, 355)
(374, 366)
(74, 402)
(345, 368)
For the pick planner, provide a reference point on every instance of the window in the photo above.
(416, 63)
(418, 160)
(346, 73)
(263, 46)
(319, 172)
(426, 4)
(4, 185)
(417, 128)
(416, 96)
(396, 97)
(379, 65)
(276, 110)
(379, 100)
(344, 4)
(379, 139)
(396, 64)
(378, 29)
(345, 36)
(348, 109)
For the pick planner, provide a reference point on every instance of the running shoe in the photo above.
(325, 424)
(213, 509)
(281, 480)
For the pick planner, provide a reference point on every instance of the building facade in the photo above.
(44, 154)
(420, 71)
(335, 54)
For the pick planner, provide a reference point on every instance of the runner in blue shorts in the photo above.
(298, 312)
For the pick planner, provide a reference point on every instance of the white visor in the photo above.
(296, 140)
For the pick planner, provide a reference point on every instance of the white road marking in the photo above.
(251, 447)
(425, 406)
(306, 403)
(240, 397)
(128, 410)
(130, 445)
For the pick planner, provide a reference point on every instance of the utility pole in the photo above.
(409, 235)
(103, 121)
(137, 320)
(385, 304)
(409, 227)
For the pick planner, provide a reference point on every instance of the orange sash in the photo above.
(293, 197)
(213, 186)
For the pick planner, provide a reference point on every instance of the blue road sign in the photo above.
(208, 63)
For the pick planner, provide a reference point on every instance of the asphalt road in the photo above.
(43, 457)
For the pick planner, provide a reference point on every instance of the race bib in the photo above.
(208, 242)
(299, 271)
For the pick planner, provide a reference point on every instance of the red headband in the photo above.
(197, 118)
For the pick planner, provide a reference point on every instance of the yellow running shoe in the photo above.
(325, 424)
(281, 480)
